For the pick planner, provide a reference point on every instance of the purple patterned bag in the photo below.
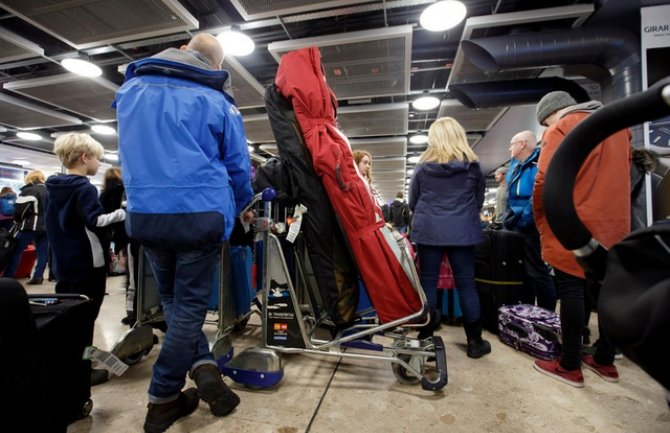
(530, 329)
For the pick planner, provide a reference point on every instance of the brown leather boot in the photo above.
(214, 391)
(161, 416)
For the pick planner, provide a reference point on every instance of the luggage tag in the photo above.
(106, 360)
(294, 229)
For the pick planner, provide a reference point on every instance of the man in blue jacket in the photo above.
(186, 170)
(519, 215)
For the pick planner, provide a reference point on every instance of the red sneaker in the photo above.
(607, 372)
(553, 369)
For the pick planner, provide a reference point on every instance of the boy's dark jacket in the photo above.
(74, 222)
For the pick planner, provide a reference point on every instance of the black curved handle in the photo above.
(648, 105)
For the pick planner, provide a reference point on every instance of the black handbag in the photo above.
(7, 245)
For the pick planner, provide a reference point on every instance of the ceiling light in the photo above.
(111, 156)
(21, 162)
(419, 139)
(413, 159)
(250, 149)
(442, 15)
(103, 129)
(81, 67)
(410, 172)
(29, 136)
(235, 43)
(425, 102)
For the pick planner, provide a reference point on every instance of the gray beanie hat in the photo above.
(552, 102)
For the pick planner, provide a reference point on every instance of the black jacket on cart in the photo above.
(334, 269)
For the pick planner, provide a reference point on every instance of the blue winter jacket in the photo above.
(182, 150)
(520, 180)
(446, 200)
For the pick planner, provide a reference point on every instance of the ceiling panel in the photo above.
(391, 146)
(471, 119)
(373, 120)
(387, 164)
(361, 64)
(13, 47)
(258, 129)
(255, 9)
(85, 24)
(21, 114)
(91, 97)
(247, 90)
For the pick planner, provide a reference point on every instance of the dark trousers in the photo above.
(537, 272)
(571, 292)
(92, 284)
(462, 261)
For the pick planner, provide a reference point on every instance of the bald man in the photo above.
(186, 170)
(519, 215)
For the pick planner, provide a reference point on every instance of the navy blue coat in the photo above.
(446, 200)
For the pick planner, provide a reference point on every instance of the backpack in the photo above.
(7, 205)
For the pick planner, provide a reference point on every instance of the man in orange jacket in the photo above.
(602, 200)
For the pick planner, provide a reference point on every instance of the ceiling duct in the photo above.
(364, 64)
(516, 92)
(83, 24)
(604, 47)
(88, 97)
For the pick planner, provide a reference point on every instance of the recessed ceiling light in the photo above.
(103, 129)
(29, 136)
(442, 15)
(419, 139)
(21, 162)
(425, 102)
(250, 149)
(111, 156)
(81, 67)
(413, 159)
(235, 43)
(410, 172)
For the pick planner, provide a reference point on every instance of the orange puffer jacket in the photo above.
(601, 194)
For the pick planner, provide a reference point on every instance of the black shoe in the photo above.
(129, 320)
(98, 376)
(161, 416)
(35, 281)
(478, 348)
(214, 391)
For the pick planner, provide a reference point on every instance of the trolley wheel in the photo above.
(86, 409)
(137, 357)
(401, 374)
(239, 326)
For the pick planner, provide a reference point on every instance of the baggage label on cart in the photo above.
(294, 229)
(106, 360)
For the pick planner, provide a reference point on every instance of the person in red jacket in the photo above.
(602, 200)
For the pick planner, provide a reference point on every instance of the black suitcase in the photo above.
(43, 376)
(499, 274)
(64, 329)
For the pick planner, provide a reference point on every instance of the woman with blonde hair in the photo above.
(363, 161)
(446, 195)
(29, 215)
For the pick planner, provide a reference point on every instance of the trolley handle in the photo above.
(267, 195)
(562, 217)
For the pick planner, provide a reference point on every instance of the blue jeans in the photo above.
(23, 239)
(185, 282)
(462, 260)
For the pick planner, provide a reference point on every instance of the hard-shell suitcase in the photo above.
(27, 263)
(499, 274)
(530, 329)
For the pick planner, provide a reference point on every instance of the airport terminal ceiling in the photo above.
(377, 57)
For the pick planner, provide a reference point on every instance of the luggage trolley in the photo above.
(289, 326)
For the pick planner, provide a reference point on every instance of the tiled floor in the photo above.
(498, 393)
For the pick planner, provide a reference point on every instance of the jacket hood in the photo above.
(189, 65)
(61, 186)
(585, 106)
(447, 169)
